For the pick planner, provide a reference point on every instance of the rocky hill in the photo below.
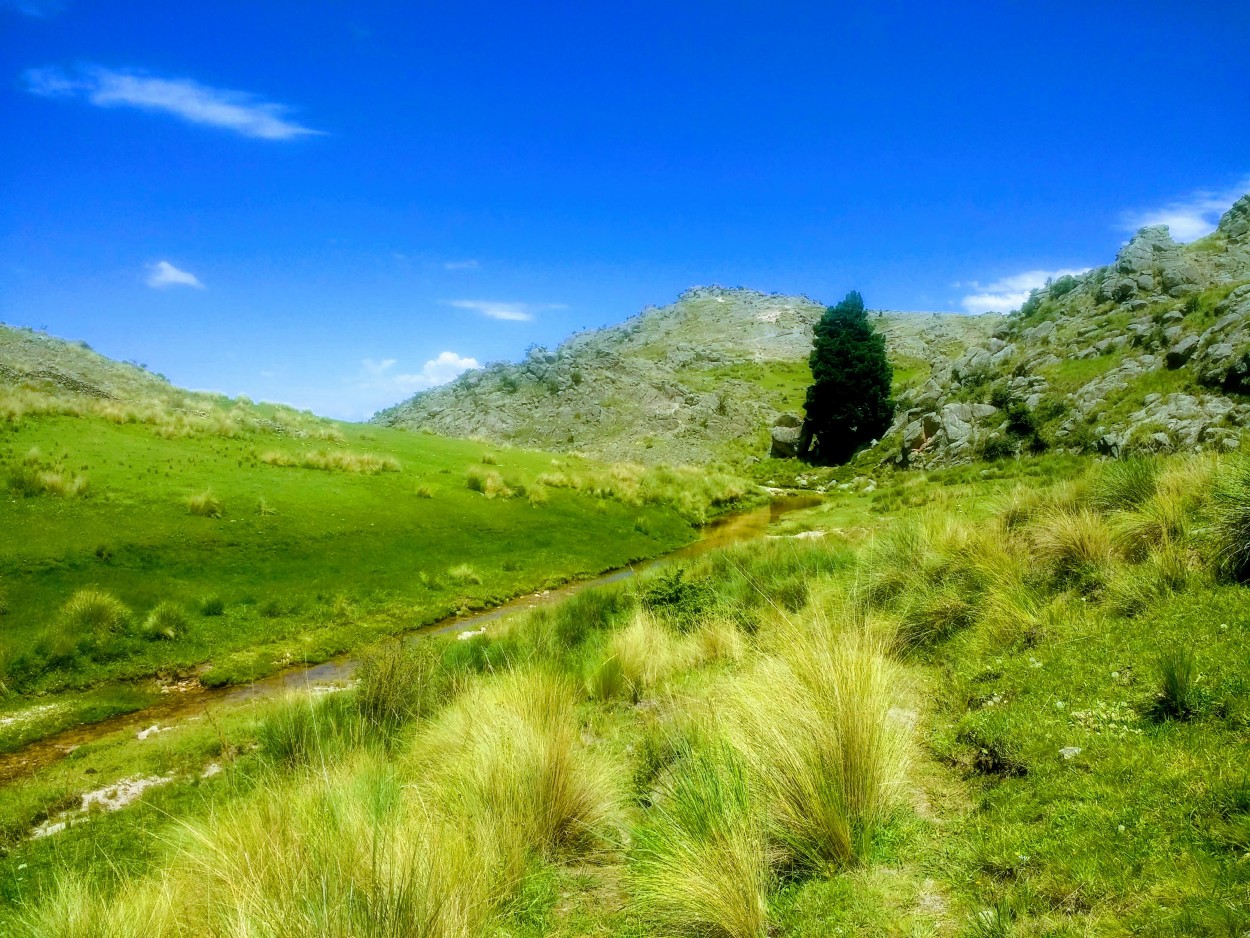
(704, 378)
(44, 375)
(1148, 354)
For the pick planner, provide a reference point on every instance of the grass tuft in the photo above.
(700, 864)
(205, 505)
(1229, 524)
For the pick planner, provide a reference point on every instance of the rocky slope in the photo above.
(1148, 354)
(702, 379)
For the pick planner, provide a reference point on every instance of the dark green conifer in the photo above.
(848, 403)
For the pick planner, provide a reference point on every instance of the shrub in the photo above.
(166, 621)
(700, 863)
(489, 459)
(205, 504)
(424, 491)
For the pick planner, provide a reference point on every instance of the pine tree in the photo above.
(848, 403)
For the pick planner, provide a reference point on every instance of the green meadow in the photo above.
(974, 703)
(134, 556)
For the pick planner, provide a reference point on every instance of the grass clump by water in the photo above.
(94, 611)
(166, 621)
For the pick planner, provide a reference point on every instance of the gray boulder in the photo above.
(1181, 352)
(785, 442)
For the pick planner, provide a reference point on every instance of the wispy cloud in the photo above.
(1009, 292)
(1191, 217)
(511, 312)
(163, 274)
(468, 264)
(237, 111)
(37, 8)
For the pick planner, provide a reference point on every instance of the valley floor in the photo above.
(993, 701)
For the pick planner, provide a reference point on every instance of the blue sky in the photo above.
(333, 204)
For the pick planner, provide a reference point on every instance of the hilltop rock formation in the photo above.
(1148, 354)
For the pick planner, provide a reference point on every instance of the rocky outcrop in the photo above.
(1148, 354)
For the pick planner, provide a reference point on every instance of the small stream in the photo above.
(179, 705)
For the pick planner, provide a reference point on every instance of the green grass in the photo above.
(336, 559)
(940, 722)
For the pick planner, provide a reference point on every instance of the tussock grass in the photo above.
(695, 493)
(814, 724)
(167, 621)
(1124, 484)
(1076, 547)
(332, 461)
(212, 606)
(1228, 528)
(701, 863)
(464, 575)
(402, 683)
(1177, 697)
(647, 653)
(509, 755)
(491, 483)
(205, 505)
(93, 611)
(30, 482)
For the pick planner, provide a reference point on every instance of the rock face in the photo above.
(1148, 354)
(718, 374)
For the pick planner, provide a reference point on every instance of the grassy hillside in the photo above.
(1018, 706)
(700, 380)
(144, 543)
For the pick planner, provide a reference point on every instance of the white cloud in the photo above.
(1191, 217)
(164, 274)
(238, 111)
(513, 312)
(1009, 292)
(437, 371)
(468, 264)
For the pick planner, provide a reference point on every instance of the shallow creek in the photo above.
(190, 699)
